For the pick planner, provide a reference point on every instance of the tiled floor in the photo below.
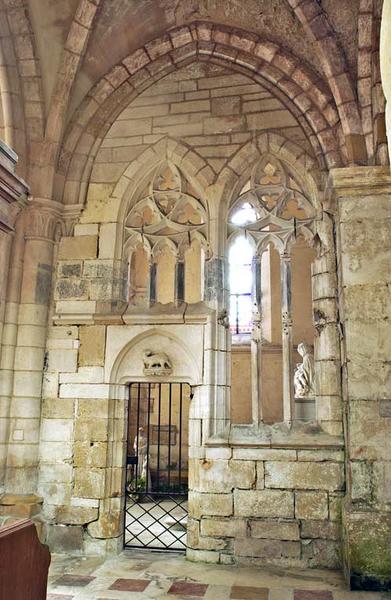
(141, 575)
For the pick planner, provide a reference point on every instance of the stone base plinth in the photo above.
(367, 549)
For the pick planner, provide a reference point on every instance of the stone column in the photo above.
(152, 282)
(25, 410)
(179, 281)
(256, 344)
(363, 197)
(287, 337)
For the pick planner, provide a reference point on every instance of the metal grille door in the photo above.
(157, 466)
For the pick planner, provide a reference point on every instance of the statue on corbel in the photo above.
(304, 375)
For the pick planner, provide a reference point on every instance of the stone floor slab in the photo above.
(151, 576)
(242, 592)
(73, 580)
(130, 585)
(313, 595)
(188, 588)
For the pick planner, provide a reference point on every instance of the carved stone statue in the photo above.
(223, 319)
(156, 363)
(304, 374)
(140, 446)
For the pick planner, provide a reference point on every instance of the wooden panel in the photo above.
(24, 563)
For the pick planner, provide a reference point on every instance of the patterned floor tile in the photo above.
(74, 580)
(313, 595)
(244, 592)
(130, 585)
(188, 588)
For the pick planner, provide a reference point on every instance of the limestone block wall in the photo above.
(84, 420)
(250, 500)
(267, 506)
(364, 205)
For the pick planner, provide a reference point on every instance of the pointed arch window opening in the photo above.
(271, 208)
(168, 210)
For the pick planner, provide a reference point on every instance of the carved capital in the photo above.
(42, 223)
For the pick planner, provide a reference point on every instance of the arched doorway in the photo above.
(157, 466)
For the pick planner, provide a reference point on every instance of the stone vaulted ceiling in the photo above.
(58, 54)
(122, 26)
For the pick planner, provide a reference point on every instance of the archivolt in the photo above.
(303, 92)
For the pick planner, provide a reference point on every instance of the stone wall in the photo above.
(267, 505)
(363, 199)
(251, 499)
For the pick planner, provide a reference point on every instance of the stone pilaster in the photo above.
(40, 223)
(13, 191)
(364, 205)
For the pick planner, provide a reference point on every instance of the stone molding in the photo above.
(42, 222)
(359, 181)
(12, 189)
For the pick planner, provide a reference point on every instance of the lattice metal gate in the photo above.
(157, 466)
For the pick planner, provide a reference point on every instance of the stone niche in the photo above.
(127, 347)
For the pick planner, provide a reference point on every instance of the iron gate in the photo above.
(157, 466)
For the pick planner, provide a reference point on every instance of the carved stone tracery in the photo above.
(273, 208)
(168, 214)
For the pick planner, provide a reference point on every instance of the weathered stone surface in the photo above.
(85, 246)
(70, 269)
(95, 430)
(259, 454)
(89, 483)
(222, 475)
(76, 515)
(65, 538)
(311, 505)
(210, 505)
(326, 476)
(385, 408)
(229, 105)
(320, 530)
(323, 553)
(263, 503)
(274, 530)
(92, 345)
(268, 549)
(224, 527)
(361, 473)
(90, 454)
(107, 526)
